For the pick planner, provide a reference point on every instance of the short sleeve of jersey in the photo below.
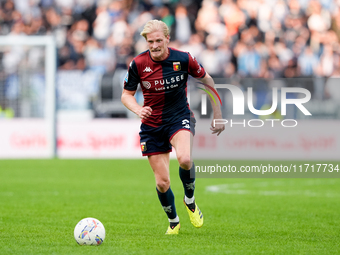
(195, 69)
(131, 79)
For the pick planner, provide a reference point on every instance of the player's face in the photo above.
(158, 45)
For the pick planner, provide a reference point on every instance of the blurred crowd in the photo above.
(247, 38)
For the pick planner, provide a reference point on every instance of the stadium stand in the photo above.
(233, 39)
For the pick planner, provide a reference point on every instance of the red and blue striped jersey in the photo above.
(164, 84)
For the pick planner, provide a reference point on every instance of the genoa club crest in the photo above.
(143, 146)
(177, 66)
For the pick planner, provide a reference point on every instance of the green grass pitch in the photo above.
(42, 200)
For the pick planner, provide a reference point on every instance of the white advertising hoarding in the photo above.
(102, 138)
(24, 138)
(118, 138)
(309, 140)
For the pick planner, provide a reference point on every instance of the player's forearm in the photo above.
(216, 107)
(130, 102)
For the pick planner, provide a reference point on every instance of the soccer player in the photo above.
(167, 120)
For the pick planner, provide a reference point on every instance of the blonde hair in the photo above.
(153, 26)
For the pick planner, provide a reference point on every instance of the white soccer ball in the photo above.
(89, 231)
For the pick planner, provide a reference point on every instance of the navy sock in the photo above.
(188, 180)
(167, 200)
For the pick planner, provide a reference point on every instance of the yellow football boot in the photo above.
(195, 214)
(173, 230)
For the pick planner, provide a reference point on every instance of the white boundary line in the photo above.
(271, 188)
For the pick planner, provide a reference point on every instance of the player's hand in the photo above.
(145, 112)
(217, 129)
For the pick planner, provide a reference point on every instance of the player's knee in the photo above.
(163, 185)
(184, 162)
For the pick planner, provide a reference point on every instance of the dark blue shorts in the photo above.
(156, 140)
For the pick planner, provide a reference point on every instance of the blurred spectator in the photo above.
(166, 16)
(183, 27)
(98, 58)
(332, 88)
(120, 31)
(249, 61)
(336, 24)
(327, 61)
(307, 62)
(55, 26)
(207, 16)
(102, 24)
(284, 54)
(195, 45)
(275, 67)
(264, 16)
(233, 17)
(320, 19)
(212, 58)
